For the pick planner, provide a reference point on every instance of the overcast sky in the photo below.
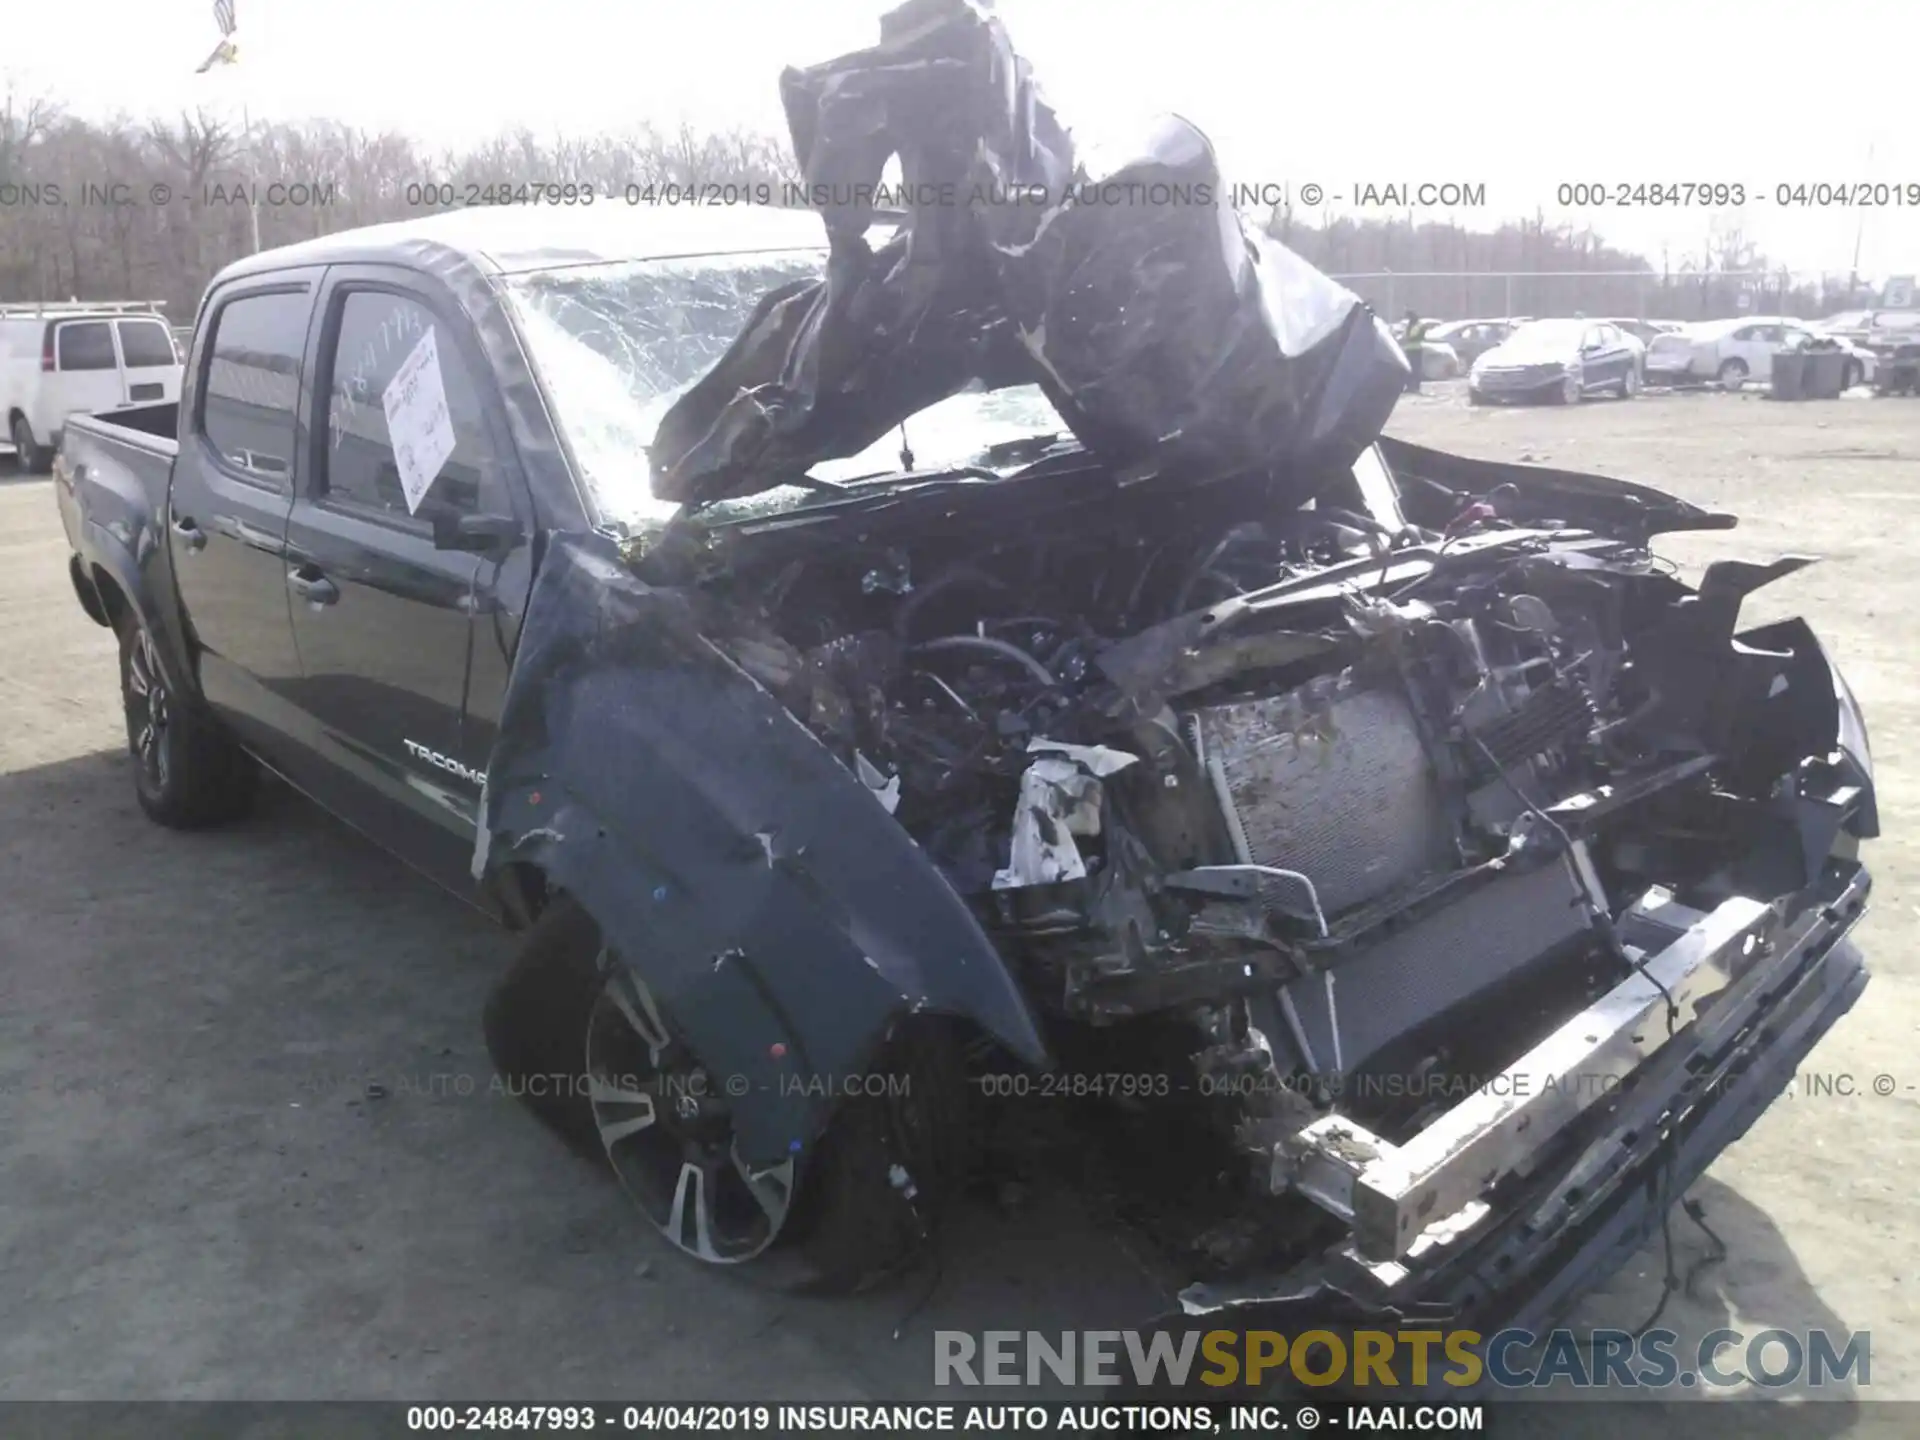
(1514, 94)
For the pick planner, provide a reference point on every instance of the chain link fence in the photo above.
(1637, 294)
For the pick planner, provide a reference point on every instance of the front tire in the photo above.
(1732, 375)
(1572, 390)
(617, 1080)
(188, 774)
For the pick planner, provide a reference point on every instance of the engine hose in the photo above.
(1005, 649)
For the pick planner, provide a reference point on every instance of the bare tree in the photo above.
(125, 209)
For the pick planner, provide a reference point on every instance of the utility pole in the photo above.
(253, 174)
(1859, 234)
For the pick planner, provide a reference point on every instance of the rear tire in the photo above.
(846, 1222)
(1732, 375)
(33, 459)
(188, 774)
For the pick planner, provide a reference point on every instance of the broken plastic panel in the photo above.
(1134, 297)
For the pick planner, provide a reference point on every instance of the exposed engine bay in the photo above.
(1334, 810)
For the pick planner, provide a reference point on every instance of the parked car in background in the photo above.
(1734, 353)
(1563, 360)
(1438, 360)
(79, 359)
(1886, 334)
(1847, 322)
(1645, 331)
(1470, 339)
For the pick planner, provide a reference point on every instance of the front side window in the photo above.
(86, 345)
(253, 383)
(379, 333)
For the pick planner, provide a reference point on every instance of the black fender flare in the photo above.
(136, 565)
(779, 914)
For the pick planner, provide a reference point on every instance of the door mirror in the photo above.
(475, 534)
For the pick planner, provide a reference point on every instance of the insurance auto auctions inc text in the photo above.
(1412, 1360)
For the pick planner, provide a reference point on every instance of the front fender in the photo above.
(773, 906)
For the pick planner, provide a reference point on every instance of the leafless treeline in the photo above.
(150, 210)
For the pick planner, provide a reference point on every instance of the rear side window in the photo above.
(85, 345)
(253, 383)
(378, 332)
(145, 343)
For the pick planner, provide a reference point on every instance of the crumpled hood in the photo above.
(1159, 328)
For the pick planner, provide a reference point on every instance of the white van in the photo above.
(79, 359)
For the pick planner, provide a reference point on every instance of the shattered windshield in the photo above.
(617, 343)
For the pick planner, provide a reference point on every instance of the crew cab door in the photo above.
(227, 505)
(383, 619)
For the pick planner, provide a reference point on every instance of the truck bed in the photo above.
(147, 427)
(111, 477)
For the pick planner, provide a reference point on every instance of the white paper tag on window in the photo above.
(418, 423)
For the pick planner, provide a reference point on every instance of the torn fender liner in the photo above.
(1129, 292)
(772, 904)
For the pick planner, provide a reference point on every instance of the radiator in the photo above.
(1330, 780)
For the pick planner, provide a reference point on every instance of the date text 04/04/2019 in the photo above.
(1200, 1418)
(1735, 194)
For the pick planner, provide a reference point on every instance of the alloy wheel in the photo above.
(667, 1130)
(148, 712)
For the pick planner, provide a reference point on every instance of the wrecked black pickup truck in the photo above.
(991, 636)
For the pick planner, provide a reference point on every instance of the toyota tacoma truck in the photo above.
(997, 639)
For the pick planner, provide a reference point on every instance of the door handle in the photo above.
(191, 535)
(312, 587)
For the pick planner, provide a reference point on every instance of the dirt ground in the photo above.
(200, 1196)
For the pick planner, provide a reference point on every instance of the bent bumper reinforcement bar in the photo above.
(1405, 1198)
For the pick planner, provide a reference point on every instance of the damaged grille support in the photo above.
(1393, 1193)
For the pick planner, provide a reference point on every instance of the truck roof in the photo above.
(504, 239)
